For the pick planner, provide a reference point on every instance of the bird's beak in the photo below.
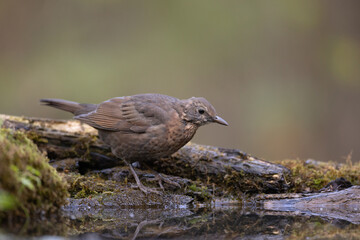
(221, 121)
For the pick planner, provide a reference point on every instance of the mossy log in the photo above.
(29, 186)
(229, 169)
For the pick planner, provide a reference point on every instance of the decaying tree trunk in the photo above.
(230, 169)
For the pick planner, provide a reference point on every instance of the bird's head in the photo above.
(199, 111)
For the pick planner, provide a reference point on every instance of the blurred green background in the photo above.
(284, 74)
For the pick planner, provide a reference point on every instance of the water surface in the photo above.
(198, 223)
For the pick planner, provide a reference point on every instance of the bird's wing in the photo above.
(125, 114)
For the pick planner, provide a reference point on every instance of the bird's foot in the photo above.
(148, 190)
(144, 189)
(161, 178)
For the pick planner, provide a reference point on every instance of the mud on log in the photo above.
(229, 169)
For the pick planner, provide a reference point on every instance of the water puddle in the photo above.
(226, 222)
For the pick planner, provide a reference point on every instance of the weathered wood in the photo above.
(232, 170)
(344, 204)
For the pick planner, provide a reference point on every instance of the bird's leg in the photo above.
(144, 189)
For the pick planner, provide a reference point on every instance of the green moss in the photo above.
(27, 177)
(314, 176)
(7, 201)
(200, 193)
(194, 188)
(35, 137)
(236, 183)
(85, 192)
(84, 186)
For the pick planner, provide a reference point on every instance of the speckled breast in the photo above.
(158, 141)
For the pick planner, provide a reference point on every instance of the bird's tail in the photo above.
(69, 106)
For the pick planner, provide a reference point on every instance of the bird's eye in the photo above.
(201, 111)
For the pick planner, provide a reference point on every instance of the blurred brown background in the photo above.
(284, 74)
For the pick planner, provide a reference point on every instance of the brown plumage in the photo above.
(145, 126)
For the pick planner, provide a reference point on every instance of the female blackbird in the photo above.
(143, 127)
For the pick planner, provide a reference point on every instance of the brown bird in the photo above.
(143, 127)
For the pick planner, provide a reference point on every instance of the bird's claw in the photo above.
(162, 178)
(147, 190)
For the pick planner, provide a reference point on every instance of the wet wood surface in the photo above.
(344, 204)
